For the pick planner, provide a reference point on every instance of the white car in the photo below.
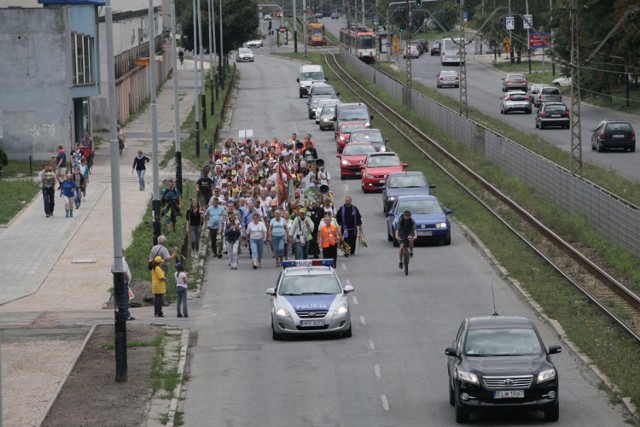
(244, 55)
(255, 43)
(562, 81)
(267, 17)
(411, 51)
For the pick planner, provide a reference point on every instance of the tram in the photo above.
(315, 34)
(360, 42)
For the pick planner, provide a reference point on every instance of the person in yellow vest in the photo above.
(328, 239)
(158, 286)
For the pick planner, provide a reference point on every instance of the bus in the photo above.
(360, 42)
(315, 34)
(450, 50)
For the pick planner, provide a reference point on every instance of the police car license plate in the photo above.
(318, 322)
(425, 232)
(508, 394)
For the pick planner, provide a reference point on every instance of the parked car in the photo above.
(352, 157)
(613, 134)
(377, 167)
(403, 184)
(335, 15)
(514, 81)
(435, 50)
(373, 136)
(546, 94)
(244, 55)
(424, 45)
(500, 363)
(552, 114)
(411, 51)
(432, 219)
(448, 78)
(515, 100)
(562, 81)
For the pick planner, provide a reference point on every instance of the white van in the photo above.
(309, 74)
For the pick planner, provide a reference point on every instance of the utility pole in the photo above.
(195, 79)
(295, 27)
(176, 110)
(407, 57)
(363, 15)
(203, 88)
(576, 133)
(464, 107)
(154, 127)
(510, 39)
(526, 8)
(211, 47)
(304, 25)
(221, 53)
(118, 264)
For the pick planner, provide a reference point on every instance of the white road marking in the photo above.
(376, 369)
(385, 402)
(344, 266)
(372, 346)
(364, 323)
(355, 300)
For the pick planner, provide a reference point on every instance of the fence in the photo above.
(605, 212)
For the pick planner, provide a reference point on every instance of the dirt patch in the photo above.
(91, 396)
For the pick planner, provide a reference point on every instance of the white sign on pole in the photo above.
(527, 21)
(244, 134)
(509, 24)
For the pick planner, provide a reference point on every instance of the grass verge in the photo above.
(15, 195)
(593, 333)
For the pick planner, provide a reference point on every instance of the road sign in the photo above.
(527, 21)
(283, 29)
(540, 40)
(466, 16)
(375, 20)
(509, 24)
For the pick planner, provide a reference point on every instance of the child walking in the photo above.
(181, 282)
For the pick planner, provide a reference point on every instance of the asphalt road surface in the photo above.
(392, 372)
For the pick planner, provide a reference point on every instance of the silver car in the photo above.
(324, 103)
(447, 78)
(515, 100)
(309, 299)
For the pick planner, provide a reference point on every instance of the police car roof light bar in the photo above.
(307, 263)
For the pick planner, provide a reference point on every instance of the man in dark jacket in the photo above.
(350, 221)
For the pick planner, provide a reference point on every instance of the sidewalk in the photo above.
(57, 271)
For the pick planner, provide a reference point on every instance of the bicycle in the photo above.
(406, 253)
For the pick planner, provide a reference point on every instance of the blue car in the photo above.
(432, 220)
(404, 184)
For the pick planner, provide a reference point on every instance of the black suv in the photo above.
(500, 362)
(613, 134)
(552, 114)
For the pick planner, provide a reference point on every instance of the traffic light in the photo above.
(402, 28)
(418, 3)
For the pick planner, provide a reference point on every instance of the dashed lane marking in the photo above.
(344, 266)
(364, 323)
(376, 369)
(372, 346)
(385, 402)
(355, 300)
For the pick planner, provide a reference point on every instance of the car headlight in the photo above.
(341, 138)
(345, 163)
(468, 377)
(343, 309)
(391, 198)
(383, 148)
(366, 175)
(441, 225)
(282, 312)
(546, 375)
(367, 124)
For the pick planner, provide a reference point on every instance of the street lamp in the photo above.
(195, 80)
(222, 73)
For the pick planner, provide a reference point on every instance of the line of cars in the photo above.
(416, 48)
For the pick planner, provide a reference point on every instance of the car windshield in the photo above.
(366, 42)
(353, 114)
(358, 149)
(309, 284)
(407, 181)
(448, 73)
(325, 90)
(367, 137)
(383, 161)
(328, 110)
(550, 91)
(517, 97)
(502, 342)
(550, 108)
(619, 127)
(419, 206)
(312, 75)
(351, 128)
(244, 50)
(515, 77)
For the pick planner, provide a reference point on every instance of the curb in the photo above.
(66, 375)
(184, 346)
(552, 323)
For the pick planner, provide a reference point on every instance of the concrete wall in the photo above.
(35, 105)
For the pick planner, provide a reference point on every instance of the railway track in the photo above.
(605, 292)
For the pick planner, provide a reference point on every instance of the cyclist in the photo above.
(406, 229)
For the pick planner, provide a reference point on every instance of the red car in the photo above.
(377, 168)
(344, 132)
(353, 156)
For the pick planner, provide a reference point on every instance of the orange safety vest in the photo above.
(329, 235)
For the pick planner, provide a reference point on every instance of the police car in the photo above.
(309, 299)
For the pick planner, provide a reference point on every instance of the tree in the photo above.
(239, 23)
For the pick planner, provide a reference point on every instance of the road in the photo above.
(484, 93)
(392, 372)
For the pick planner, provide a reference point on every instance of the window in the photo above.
(83, 58)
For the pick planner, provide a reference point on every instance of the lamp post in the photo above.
(176, 110)
(304, 25)
(203, 90)
(211, 73)
(195, 80)
(295, 27)
(221, 53)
